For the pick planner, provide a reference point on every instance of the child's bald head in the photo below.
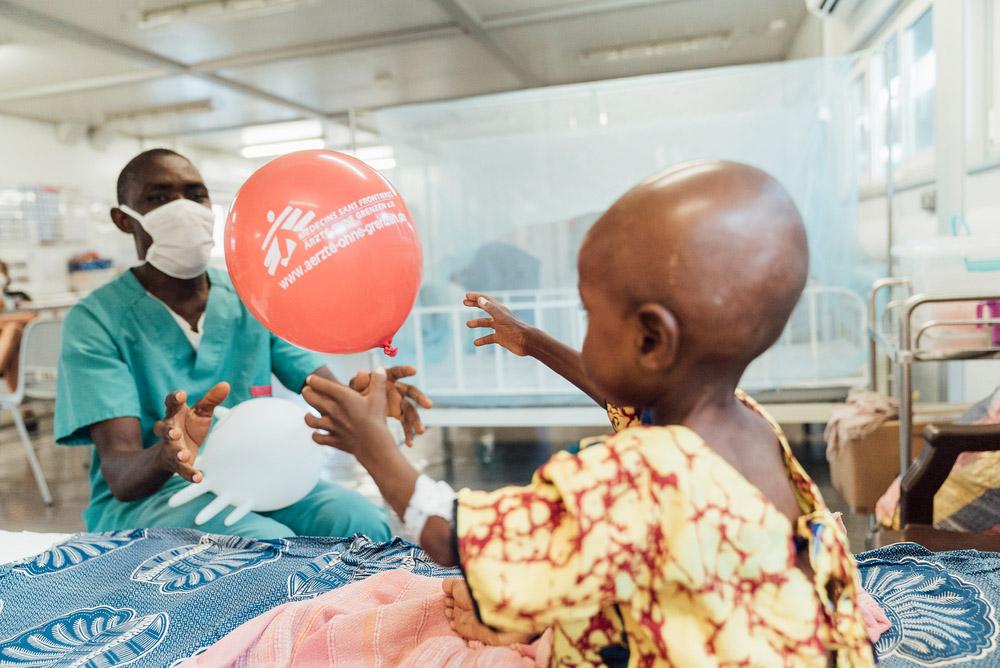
(703, 263)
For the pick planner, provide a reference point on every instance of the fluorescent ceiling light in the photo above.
(382, 164)
(194, 10)
(721, 40)
(369, 153)
(271, 133)
(180, 109)
(340, 135)
(280, 148)
(380, 158)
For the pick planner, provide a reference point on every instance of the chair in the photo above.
(40, 343)
(942, 446)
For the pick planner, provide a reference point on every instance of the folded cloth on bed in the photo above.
(154, 596)
(390, 619)
(942, 605)
(863, 413)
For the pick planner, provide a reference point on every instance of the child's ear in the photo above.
(659, 336)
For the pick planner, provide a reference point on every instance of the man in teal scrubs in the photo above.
(174, 328)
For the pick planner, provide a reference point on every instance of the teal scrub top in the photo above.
(123, 353)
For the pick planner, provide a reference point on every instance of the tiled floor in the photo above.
(463, 462)
(65, 469)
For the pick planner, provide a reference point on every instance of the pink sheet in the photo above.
(391, 619)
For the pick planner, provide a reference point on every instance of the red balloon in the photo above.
(323, 251)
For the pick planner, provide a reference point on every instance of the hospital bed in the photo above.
(904, 333)
(820, 355)
(151, 597)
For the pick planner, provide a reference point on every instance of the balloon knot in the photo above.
(389, 349)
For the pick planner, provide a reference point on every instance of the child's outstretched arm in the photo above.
(533, 532)
(522, 339)
(355, 423)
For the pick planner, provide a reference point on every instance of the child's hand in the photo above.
(876, 622)
(874, 618)
(508, 331)
(348, 419)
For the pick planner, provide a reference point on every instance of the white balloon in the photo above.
(259, 456)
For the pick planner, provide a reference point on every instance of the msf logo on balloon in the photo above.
(282, 238)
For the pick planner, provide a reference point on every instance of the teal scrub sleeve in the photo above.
(93, 382)
(291, 364)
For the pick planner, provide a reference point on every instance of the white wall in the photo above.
(31, 155)
(982, 194)
(910, 221)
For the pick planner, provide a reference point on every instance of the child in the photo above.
(699, 541)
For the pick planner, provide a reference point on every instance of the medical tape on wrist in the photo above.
(430, 499)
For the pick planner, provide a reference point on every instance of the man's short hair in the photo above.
(137, 163)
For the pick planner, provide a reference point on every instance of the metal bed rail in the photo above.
(905, 349)
(824, 314)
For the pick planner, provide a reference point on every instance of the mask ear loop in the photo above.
(132, 213)
(137, 217)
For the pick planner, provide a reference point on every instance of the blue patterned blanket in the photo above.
(942, 605)
(153, 597)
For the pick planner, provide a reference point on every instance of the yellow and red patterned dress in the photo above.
(649, 539)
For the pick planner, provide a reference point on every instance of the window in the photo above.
(902, 78)
(890, 63)
(921, 79)
(886, 84)
(862, 131)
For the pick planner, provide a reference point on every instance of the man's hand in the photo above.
(508, 331)
(400, 398)
(183, 429)
(349, 421)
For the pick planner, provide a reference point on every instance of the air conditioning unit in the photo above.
(839, 9)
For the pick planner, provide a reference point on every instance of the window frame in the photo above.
(913, 165)
(913, 157)
(991, 80)
(861, 75)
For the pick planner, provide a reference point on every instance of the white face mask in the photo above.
(182, 237)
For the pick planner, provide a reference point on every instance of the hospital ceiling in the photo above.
(202, 68)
